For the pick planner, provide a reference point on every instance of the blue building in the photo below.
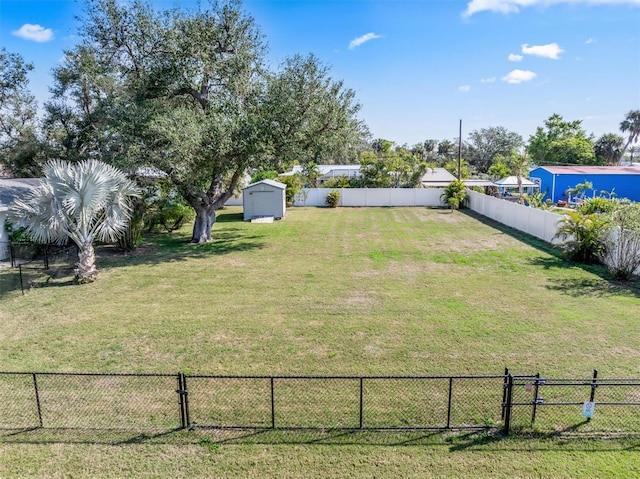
(554, 181)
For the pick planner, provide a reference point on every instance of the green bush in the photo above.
(170, 214)
(333, 198)
(294, 183)
(454, 194)
(597, 205)
(583, 236)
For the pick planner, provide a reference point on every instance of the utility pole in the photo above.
(460, 152)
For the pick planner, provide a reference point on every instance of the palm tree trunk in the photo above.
(86, 271)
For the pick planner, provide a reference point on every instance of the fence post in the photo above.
(504, 392)
(535, 399)
(507, 415)
(449, 402)
(21, 281)
(361, 400)
(35, 388)
(273, 407)
(594, 385)
(181, 395)
(187, 418)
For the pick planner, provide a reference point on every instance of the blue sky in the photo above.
(419, 66)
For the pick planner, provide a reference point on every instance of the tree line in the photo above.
(189, 96)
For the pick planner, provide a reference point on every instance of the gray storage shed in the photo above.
(264, 199)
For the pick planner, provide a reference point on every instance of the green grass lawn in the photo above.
(347, 291)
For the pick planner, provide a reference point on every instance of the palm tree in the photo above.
(608, 147)
(78, 201)
(519, 164)
(630, 124)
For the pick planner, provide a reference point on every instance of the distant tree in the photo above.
(81, 202)
(389, 167)
(573, 150)
(499, 168)
(560, 142)
(608, 148)
(630, 125)
(518, 163)
(447, 150)
(485, 144)
(21, 151)
(451, 165)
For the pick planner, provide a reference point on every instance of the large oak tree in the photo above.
(189, 94)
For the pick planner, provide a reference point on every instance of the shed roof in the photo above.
(437, 177)
(513, 181)
(592, 170)
(275, 184)
(13, 188)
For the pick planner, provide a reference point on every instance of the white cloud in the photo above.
(464, 88)
(363, 39)
(488, 80)
(519, 76)
(37, 33)
(515, 58)
(551, 50)
(514, 6)
(590, 41)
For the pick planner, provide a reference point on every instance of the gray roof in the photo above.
(437, 177)
(275, 184)
(11, 189)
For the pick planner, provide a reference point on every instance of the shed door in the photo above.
(263, 203)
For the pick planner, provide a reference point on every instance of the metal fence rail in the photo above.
(163, 402)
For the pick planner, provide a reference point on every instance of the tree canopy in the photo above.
(190, 95)
(20, 148)
(561, 142)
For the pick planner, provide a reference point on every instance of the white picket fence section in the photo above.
(533, 221)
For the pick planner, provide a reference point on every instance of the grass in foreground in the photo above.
(404, 291)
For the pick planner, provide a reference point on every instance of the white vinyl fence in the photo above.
(536, 222)
(354, 197)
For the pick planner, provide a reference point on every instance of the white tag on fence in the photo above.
(588, 408)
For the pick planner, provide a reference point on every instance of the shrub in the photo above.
(622, 244)
(583, 236)
(454, 194)
(333, 198)
(170, 214)
(294, 183)
(597, 205)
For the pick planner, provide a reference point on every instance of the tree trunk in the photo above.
(205, 218)
(86, 271)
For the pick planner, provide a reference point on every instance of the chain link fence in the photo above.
(36, 264)
(566, 406)
(166, 402)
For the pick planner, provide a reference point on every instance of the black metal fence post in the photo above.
(594, 385)
(273, 406)
(449, 403)
(361, 400)
(181, 395)
(35, 388)
(534, 408)
(185, 395)
(509, 400)
(504, 392)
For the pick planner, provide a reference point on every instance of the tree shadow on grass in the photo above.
(605, 286)
(229, 235)
(157, 248)
(448, 440)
